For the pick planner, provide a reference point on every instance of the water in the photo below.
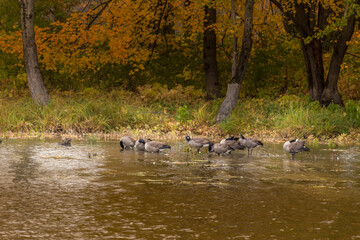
(48, 191)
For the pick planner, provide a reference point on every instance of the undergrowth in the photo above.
(179, 111)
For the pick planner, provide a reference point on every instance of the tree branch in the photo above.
(354, 55)
(98, 14)
(157, 33)
(87, 4)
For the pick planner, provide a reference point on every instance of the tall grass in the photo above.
(293, 116)
(118, 111)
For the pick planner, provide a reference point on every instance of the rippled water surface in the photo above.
(96, 191)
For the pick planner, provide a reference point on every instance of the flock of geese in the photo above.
(226, 146)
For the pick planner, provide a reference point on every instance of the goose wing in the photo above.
(127, 141)
(250, 142)
(202, 141)
(298, 146)
(155, 146)
(221, 148)
(255, 141)
(233, 144)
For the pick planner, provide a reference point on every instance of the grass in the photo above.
(176, 113)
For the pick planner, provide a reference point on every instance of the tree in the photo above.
(320, 25)
(238, 64)
(209, 50)
(38, 91)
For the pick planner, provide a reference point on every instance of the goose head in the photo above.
(211, 147)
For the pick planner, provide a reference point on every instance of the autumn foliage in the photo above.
(129, 43)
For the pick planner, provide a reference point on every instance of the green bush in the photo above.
(352, 110)
(183, 114)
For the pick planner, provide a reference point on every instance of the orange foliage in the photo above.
(128, 31)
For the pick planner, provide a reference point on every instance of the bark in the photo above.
(315, 59)
(246, 43)
(239, 65)
(308, 68)
(37, 88)
(331, 93)
(209, 50)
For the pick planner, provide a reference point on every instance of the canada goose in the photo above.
(250, 143)
(220, 148)
(295, 146)
(233, 143)
(197, 142)
(154, 146)
(65, 142)
(140, 144)
(127, 142)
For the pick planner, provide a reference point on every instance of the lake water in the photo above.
(92, 190)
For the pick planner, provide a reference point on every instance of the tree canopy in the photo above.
(131, 43)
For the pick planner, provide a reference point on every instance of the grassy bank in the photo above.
(157, 112)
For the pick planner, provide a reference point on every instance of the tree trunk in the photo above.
(209, 49)
(38, 91)
(331, 93)
(315, 61)
(308, 68)
(238, 66)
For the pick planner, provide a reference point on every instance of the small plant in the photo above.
(91, 138)
(353, 113)
(183, 114)
(332, 144)
(92, 92)
(315, 142)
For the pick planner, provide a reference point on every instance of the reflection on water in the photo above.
(96, 191)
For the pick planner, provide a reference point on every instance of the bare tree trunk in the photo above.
(315, 59)
(209, 49)
(238, 66)
(331, 93)
(308, 69)
(38, 91)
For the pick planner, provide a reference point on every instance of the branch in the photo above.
(52, 13)
(299, 19)
(223, 45)
(278, 5)
(354, 55)
(98, 14)
(85, 7)
(157, 33)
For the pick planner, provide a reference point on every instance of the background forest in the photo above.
(138, 66)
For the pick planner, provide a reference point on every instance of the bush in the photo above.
(352, 110)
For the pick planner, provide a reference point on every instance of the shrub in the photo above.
(352, 110)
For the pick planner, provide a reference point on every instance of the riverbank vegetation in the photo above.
(156, 111)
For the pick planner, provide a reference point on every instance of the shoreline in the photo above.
(265, 136)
